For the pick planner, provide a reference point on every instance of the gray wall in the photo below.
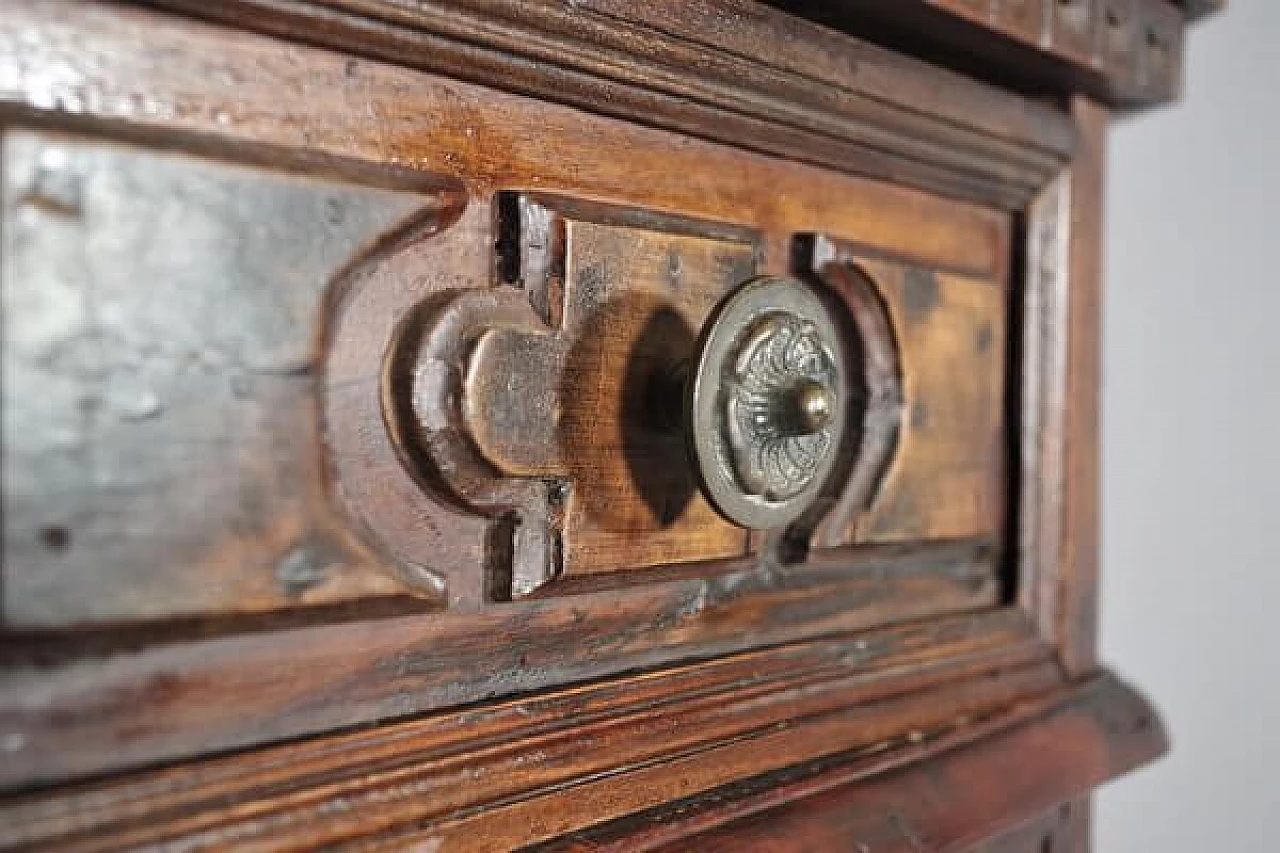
(1191, 476)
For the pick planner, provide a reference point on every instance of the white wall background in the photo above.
(1191, 448)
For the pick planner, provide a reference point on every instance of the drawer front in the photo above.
(200, 365)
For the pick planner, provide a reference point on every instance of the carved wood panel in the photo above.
(627, 294)
(267, 356)
(163, 346)
(945, 478)
(319, 233)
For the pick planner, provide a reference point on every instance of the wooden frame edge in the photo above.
(1059, 515)
(808, 109)
(1009, 770)
(721, 720)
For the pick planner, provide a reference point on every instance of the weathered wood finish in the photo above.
(946, 476)
(159, 382)
(625, 294)
(81, 716)
(446, 249)
(374, 785)
(244, 608)
(1077, 611)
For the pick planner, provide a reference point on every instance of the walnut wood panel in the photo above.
(916, 694)
(153, 82)
(720, 69)
(947, 482)
(904, 759)
(1076, 612)
(1058, 459)
(134, 73)
(232, 109)
(946, 478)
(159, 386)
(634, 304)
(1041, 441)
(625, 293)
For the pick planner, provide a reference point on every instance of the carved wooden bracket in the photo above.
(446, 416)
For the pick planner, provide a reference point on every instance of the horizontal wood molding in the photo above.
(187, 85)
(1042, 755)
(726, 70)
(857, 691)
(1001, 746)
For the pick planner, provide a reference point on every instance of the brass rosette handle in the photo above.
(767, 401)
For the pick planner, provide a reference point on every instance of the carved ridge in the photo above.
(613, 64)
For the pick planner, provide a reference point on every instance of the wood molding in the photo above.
(838, 102)
(1058, 460)
(79, 718)
(1041, 407)
(868, 686)
(400, 784)
(1077, 609)
(977, 788)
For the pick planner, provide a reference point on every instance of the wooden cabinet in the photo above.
(383, 467)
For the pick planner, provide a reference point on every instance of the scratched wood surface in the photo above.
(624, 294)
(407, 784)
(973, 792)
(159, 383)
(727, 70)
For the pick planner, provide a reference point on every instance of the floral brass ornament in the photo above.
(767, 401)
(780, 402)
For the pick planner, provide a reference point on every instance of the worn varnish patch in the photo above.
(162, 317)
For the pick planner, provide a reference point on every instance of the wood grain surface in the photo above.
(725, 70)
(447, 132)
(946, 476)
(72, 705)
(160, 383)
(401, 786)
(241, 610)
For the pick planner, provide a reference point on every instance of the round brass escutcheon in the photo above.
(766, 401)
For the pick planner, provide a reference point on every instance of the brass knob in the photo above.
(766, 400)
